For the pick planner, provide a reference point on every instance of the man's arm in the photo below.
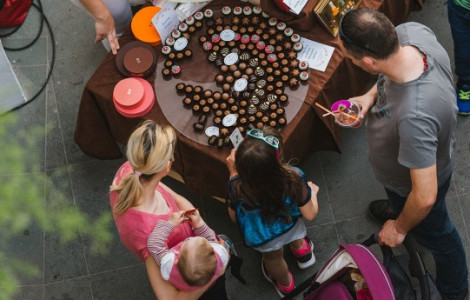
(418, 205)
(104, 22)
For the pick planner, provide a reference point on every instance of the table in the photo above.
(100, 129)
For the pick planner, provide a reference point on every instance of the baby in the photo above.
(193, 263)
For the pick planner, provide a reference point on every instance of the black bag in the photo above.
(409, 276)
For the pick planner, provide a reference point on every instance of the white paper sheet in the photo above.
(165, 21)
(295, 5)
(317, 55)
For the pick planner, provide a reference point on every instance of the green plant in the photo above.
(22, 203)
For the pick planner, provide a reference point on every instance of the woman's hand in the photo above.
(230, 162)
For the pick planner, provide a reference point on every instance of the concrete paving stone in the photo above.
(34, 55)
(62, 260)
(55, 154)
(76, 289)
(462, 153)
(91, 183)
(124, 283)
(69, 79)
(29, 292)
(314, 172)
(27, 246)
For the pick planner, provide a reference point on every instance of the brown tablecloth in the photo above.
(100, 128)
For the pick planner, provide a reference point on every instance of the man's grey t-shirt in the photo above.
(412, 124)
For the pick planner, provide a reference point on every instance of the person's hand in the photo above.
(390, 236)
(194, 218)
(313, 187)
(104, 27)
(176, 218)
(230, 162)
(365, 102)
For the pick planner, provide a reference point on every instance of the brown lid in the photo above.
(120, 56)
(138, 61)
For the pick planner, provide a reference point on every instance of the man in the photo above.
(410, 130)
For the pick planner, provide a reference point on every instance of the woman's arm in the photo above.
(181, 201)
(163, 289)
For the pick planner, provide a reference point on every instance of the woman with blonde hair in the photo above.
(139, 200)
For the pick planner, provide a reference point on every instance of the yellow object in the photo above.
(142, 26)
(334, 9)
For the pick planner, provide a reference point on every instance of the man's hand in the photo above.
(390, 236)
(365, 101)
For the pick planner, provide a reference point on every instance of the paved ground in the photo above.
(72, 272)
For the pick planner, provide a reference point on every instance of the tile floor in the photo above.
(71, 271)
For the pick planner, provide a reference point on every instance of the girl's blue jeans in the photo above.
(439, 235)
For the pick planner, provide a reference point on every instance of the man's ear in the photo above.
(368, 61)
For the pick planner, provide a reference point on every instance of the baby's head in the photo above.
(197, 261)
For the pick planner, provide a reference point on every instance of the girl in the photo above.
(139, 200)
(266, 199)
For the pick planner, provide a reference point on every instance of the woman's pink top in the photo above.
(135, 226)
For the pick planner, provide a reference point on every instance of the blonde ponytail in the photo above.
(149, 149)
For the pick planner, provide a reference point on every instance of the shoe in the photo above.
(304, 256)
(380, 211)
(228, 244)
(280, 289)
(463, 99)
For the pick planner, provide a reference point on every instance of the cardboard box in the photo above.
(330, 12)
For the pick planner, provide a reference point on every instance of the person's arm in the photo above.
(365, 101)
(200, 227)
(181, 201)
(310, 209)
(230, 162)
(163, 289)
(231, 214)
(417, 206)
(104, 22)
(156, 243)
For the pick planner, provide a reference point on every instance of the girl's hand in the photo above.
(176, 218)
(313, 187)
(194, 218)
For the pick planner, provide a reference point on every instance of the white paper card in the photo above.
(317, 55)
(165, 21)
(295, 6)
(236, 138)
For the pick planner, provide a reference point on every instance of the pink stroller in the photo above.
(355, 272)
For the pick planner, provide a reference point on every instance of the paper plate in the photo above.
(144, 107)
(120, 56)
(142, 26)
(128, 93)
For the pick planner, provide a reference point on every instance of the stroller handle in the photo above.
(416, 265)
